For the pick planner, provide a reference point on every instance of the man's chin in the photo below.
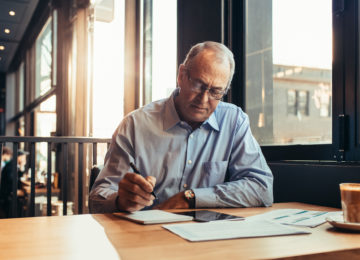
(198, 117)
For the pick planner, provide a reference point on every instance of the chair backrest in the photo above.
(95, 170)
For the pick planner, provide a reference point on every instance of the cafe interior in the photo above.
(71, 70)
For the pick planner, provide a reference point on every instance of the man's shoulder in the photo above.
(149, 112)
(228, 109)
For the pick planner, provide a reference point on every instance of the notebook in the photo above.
(154, 216)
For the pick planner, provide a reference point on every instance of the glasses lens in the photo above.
(199, 88)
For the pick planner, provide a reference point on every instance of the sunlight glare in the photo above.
(302, 33)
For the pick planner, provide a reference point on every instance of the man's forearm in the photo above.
(241, 193)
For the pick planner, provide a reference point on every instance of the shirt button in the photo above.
(185, 185)
(191, 136)
(189, 162)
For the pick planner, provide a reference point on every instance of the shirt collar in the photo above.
(212, 121)
(171, 117)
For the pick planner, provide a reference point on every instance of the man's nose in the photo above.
(204, 95)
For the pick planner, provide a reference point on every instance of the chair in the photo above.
(95, 170)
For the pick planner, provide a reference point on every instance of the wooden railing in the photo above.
(62, 150)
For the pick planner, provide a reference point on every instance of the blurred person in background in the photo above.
(6, 156)
(6, 194)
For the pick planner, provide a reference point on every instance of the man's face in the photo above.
(192, 107)
(6, 157)
(22, 162)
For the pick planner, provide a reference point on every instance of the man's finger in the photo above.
(140, 181)
(151, 180)
(135, 198)
(133, 189)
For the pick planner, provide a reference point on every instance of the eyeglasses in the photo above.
(199, 87)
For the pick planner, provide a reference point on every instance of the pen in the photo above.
(138, 172)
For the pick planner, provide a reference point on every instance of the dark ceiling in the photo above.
(12, 28)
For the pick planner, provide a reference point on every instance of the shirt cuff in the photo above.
(205, 198)
(102, 205)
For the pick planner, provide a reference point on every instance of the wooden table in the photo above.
(104, 236)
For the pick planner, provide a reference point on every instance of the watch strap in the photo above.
(190, 197)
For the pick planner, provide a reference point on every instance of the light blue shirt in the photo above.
(220, 161)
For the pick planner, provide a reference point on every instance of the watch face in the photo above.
(189, 194)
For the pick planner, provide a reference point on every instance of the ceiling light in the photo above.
(2, 47)
(7, 31)
(12, 13)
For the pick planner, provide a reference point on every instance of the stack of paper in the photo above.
(230, 229)
(295, 217)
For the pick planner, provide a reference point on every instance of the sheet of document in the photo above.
(295, 217)
(217, 230)
(153, 217)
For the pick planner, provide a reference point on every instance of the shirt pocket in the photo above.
(213, 173)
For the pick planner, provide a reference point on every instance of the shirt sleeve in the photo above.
(104, 191)
(249, 181)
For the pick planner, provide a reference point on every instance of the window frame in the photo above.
(27, 56)
(346, 97)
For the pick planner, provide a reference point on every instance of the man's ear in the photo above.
(181, 74)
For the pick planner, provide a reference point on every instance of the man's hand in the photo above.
(178, 201)
(134, 192)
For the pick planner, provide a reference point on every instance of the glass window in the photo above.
(21, 79)
(289, 71)
(291, 102)
(10, 109)
(164, 63)
(302, 102)
(108, 67)
(21, 127)
(43, 60)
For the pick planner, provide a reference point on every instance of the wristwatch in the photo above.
(190, 197)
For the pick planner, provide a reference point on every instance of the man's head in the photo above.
(21, 161)
(6, 154)
(203, 78)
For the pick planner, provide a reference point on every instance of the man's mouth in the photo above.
(199, 108)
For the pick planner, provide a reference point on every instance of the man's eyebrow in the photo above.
(212, 87)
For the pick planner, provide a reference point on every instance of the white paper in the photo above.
(154, 216)
(295, 217)
(231, 229)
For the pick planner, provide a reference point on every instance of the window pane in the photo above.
(288, 71)
(21, 82)
(108, 67)
(164, 26)
(43, 60)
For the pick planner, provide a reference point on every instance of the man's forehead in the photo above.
(208, 59)
(204, 70)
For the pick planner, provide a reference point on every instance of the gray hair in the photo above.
(221, 53)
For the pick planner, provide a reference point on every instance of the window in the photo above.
(300, 71)
(302, 103)
(21, 86)
(159, 56)
(291, 102)
(288, 59)
(43, 60)
(108, 67)
(155, 57)
(164, 26)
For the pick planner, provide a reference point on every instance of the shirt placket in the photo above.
(189, 161)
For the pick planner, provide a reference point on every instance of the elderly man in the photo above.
(192, 150)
